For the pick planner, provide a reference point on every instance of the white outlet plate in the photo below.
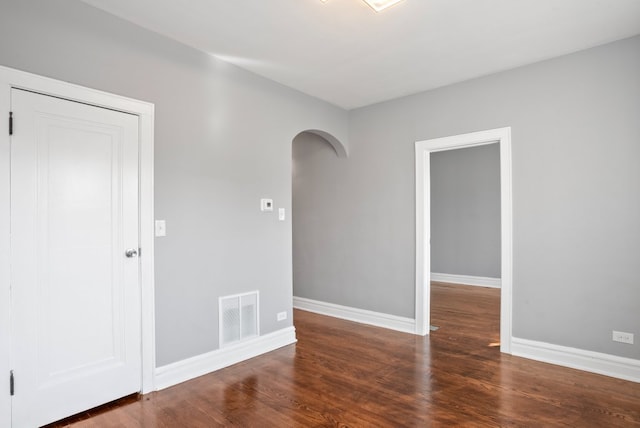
(281, 215)
(282, 316)
(623, 337)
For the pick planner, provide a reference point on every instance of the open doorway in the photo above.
(424, 150)
(313, 154)
(465, 244)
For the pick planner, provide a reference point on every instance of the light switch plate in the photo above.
(281, 214)
(161, 228)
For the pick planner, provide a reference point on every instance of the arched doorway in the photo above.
(313, 152)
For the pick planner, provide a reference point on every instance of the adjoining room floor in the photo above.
(344, 374)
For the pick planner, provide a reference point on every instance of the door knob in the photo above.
(131, 252)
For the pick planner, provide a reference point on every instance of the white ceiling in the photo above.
(343, 52)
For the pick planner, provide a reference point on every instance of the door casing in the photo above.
(502, 136)
(11, 78)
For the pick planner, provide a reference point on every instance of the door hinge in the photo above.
(10, 123)
(11, 383)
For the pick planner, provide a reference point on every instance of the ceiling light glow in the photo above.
(379, 5)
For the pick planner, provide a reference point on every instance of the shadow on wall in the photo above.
(337, 145)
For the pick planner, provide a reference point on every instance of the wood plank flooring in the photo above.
(344, 374)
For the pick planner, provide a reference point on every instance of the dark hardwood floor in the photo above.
(344, 374)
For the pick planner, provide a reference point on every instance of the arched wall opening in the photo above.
(338, 146)
(314, 154)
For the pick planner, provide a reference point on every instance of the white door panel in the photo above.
(75, 296)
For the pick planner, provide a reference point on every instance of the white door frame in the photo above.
(423, 224)
(11, 78)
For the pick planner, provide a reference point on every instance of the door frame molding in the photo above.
(11, 78)
(424, 149)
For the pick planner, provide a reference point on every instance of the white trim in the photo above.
(594, 362)
(147, 244)
(5, 250)
(480, 281)
(423, 242)
(181, 371)
(378, 319)
(423, 223)
(11, 78)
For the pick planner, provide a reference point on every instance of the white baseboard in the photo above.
(595, 362)
(393, 322)
(481, 281)
(181, 371)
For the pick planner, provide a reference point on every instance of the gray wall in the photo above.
(576, 190)
(465, 211)
(222, 141)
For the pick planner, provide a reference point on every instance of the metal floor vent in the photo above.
(238, 317)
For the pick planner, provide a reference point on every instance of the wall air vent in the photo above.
(239, 318)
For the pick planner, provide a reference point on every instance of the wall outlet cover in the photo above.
(282, 316)
(622, 337)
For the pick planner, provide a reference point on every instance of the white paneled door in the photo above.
(75, 293)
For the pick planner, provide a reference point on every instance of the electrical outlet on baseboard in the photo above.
(281, 316)
(623, 337)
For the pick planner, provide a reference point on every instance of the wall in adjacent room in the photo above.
(465, 211)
